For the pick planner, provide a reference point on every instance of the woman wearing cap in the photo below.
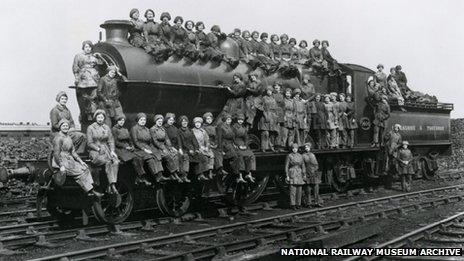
(319, 122)
(330, 62)
(86, 76)
(301, 124)
(125, 149)
(266, 55)
(154, 38)
(405, 167)
(202, 41)
(173, 134)
(275, 47)
(253, 100)
(394, 92)
(226, 137)
(206, 164)
(163, 145)
(294, 169)
(248, 161)
(108, 94)
(316, 58)
(286, 53)
(281, 130)
(191, 147)
(178, 37)
(380, 77)
(136, 31)
(191, 45)
(293, 50)
(342, 121)
(268, 122)
(66, 159)
(165, 29)
(311, 176)
(303, 52)
(61, 111)
(100, 143)
(144, 148)
(352, 123)
(381, 114)
(211, 130)
(331, 122)
(289, 118)
(236, 103)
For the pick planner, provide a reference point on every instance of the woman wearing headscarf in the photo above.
(136, 31)
(61, 111)
(144, 148)
(86, 78)
(124, 148)
(100, 143)
(211, 130)
(206, 164)
(69, 163)
(162, 143)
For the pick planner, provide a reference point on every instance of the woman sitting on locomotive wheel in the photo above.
(136, 31)
(125, 149)
(153, 37)
(226, 137)
(144, 148)
(163, 145)
(294, 170)
(100, 143)
(191, 147)
(86, 76)
(204, 149)
(213, 143)
(70, 164)
(247, 158)
(59, 112)
(173, 134)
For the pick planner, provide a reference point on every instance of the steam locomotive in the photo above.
(186, 88)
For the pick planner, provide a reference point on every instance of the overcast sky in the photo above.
(41, 37)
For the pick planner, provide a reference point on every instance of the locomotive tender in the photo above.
(192, 89)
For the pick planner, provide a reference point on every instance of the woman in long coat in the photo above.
(253, 100)
(281, 130)
(352, 123)
(248, 159)
(289, 118)
(136, 31)
(154, 38)
(191, 46)
(301, 126)
(268, 122)
(311, 176)
(144, 148)
(100, 143)
(226, 137)
(320, 125)
(174, 137)
(162, 143)
(66, 159)
(342, 121)
(331, 122)
(236, 103)
(294, 169)
(303, 53)
(179, 37)
(211, 130)
(61, 111)
(108, 94)
(125, 149)
(207, 155)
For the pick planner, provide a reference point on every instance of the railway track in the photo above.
(446, 233)
(222, 240)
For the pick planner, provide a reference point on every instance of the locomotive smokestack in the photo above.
(116, 30)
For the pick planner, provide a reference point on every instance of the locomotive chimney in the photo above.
(116, 30)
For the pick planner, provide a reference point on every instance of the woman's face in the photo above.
(318, 98)
(246, 35)
(348, 98)
(201, 28)
(325, 45)
(236, 78)
(371, 83)
(197, 124)
(277, 88)
(150, 15)
(283, 40)
(64, 127)
(264, 39)
(135, 15)
(87, 48)
(179, 23)
(292, 43)
(253, 77)
(303, 45)
(171, 121)
(392, 71)
(288, 94)
(269, 92)
(405, 146)
(189, 25)
(165, 20)
(380, 68)
(327, 99)
(294, 149)
(228, 121)
(308, 148)
(317, 44)
(274, 39)
(63, 100)
(112, 73)
(184, 123)
(142, 121)
(297, 95)
(209, 120)
(341, 98)
(159, 122)
(255, 36)
(100, 118)
(240, 121)
(121, 122)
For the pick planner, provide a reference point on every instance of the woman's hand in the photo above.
(62, 169)
(287, 180)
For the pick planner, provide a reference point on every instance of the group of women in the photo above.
(163, 152)
(294, 114)
(189, 40)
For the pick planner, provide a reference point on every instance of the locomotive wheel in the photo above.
(241, 194)
(107, 211)
(337, 185)
(426, 173)
(172, 200)
(254, 142)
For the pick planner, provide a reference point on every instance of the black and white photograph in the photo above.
(232, 130)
